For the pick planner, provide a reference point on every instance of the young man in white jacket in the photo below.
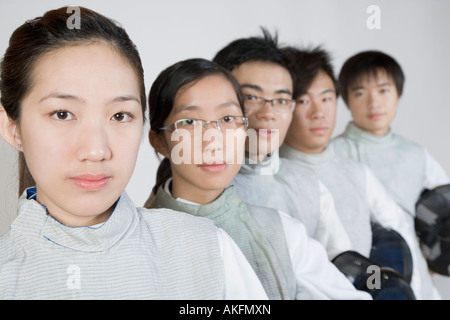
(360, 198)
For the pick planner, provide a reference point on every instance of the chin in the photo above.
(216, 185)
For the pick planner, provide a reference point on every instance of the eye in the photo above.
(62, 115)
(302, 101)
(122, 117)
(250, 97)
(282, 101)
(188, 122)
(228, 119)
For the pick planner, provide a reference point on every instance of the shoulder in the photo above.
(257, 210)
(292, 170)
(351, 164)
(344, 159)
(343, 145)
(292, 223)
(171, 217)
(7, 247)
(173, 224)
(406, 143)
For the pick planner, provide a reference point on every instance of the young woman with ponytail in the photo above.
(73, 104)
(191, 102)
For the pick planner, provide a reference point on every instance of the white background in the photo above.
(415, 32)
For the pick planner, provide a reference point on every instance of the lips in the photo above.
(91, 181)
(214, 167)
(319, 130)
(376, 116)
(264, 132)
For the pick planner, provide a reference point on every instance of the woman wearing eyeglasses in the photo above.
(198, 124)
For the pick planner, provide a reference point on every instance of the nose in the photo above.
(374, 101)
(213, 146)
(93, 143)
(265, 112)
(317, 110)
(216, 122)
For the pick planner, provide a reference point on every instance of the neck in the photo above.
(305, 149)
(377, 131)
(71, 220)
(256, 157)
(193, 193)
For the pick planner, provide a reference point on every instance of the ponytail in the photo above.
(164, 172)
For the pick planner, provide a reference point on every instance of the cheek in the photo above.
(357, 112)
(284, 127)
(44, 151)
(181, 147)
(356, 106)
(392, 103)
(298, 124)
(234, 146)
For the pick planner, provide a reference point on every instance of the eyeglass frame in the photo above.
(264, 101)
(173, 127)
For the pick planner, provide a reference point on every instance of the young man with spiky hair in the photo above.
(362, 203)
(266, 84)
(372, 85)
(265, 179)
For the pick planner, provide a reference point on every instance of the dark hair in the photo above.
(243, 50)
(164, 90)
(305, 64)
(369, 63)
(36, 37)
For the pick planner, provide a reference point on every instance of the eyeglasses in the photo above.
(253, 103)
(227, 122)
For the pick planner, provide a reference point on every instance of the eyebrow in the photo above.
(189, 107)
(329, 90)
(62, 95)
(258, 88)
(382, 84)
(68, 96)
(125, 98)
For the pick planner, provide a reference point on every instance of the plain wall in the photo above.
(415, 32)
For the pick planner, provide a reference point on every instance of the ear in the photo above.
(9, 130)
(158, 143)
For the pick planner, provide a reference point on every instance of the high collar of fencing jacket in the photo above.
(37, 224)
(358, 134)
(226, 203)
(232, 215)
(313, 159)
(269, 166)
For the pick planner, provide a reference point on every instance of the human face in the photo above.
(213, 159)
(80, 130)
(270, 81)
(314, 116)
(373, 103)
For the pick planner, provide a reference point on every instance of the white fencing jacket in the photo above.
(296, 191)
(136, 254)
(314, 276)
(360, 198)
(405, 169)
